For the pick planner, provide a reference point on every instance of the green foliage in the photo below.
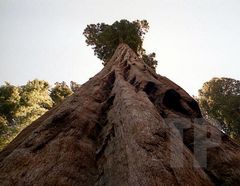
(3, 125)
(21, 105)
(60, 92)
(74, 86)
(106, 38)
(150, 60)
(35, 101)
(9, 102)
(219, 99)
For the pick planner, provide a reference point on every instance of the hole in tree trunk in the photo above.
(150, 88)
(172, 101)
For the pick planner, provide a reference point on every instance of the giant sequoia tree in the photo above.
(126, 126)
(105, 39)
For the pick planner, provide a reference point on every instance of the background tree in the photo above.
(74, 86)
(60, 92)
(9, 102)
(20, 106)
(35, 101)
(106, 38)
(9, 105)
(219, 99)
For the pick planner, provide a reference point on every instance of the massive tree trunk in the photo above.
(125, 126)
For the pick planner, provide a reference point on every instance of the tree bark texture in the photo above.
(126, 126)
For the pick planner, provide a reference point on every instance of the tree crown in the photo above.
(105, 39)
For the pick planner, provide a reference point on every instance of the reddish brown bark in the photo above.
(125, 126)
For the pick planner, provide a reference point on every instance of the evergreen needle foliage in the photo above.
(105, 39)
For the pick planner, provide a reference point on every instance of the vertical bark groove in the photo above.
(125, 126)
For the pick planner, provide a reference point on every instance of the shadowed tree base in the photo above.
(125, 126)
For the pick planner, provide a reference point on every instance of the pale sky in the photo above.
(194, 40)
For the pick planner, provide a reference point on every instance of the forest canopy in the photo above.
(21, 105)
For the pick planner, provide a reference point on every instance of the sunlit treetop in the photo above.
(105, 39)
